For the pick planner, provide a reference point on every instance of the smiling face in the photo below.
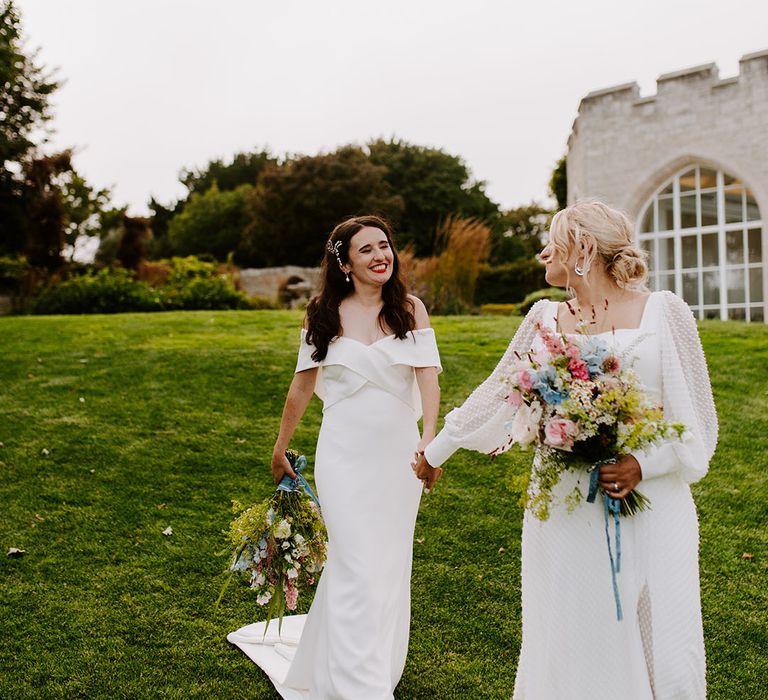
(370, 256)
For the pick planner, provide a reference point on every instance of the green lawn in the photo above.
(113, 428)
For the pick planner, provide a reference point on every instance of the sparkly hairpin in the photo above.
(333, 249)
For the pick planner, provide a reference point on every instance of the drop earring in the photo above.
(347, 276)
(578, 270)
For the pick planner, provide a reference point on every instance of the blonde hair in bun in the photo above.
(612, 233)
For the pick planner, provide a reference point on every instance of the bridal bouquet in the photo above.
(581, 406)
(280, 544)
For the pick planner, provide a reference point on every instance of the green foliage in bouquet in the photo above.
(280, 544)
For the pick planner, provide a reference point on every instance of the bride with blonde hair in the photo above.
(573, 644)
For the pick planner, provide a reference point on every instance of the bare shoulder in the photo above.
(420, 314)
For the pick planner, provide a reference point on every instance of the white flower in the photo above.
(260, 580)
(285, 545)
(264, 599)
(288, 558)
(283, 529)
(270, 516)
(298, 539)
(292, 573)
(525, 424)
(168, 531)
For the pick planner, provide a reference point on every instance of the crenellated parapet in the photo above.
(696, 83)
(620, 138)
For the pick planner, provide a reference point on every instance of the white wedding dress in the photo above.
(574, 648)
(353, 643)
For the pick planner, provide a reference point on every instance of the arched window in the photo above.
(703, 232)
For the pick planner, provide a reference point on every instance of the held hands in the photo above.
(281, 466)
(617, 480)
(425, 473)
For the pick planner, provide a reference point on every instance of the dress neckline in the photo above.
(639, 327)
(380, 340)
(366, 345)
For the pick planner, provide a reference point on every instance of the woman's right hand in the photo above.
(281, 466)
(425, 472)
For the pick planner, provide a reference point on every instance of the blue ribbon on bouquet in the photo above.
(299, 483)
(612, 506)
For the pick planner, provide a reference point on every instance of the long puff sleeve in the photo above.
(480, 422)
(686, 395)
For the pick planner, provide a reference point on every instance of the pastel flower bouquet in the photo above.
(280, 544)
(581, 406)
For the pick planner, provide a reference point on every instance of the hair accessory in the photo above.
(333, 249)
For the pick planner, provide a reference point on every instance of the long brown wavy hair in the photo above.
(323, 319)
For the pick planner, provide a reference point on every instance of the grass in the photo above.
(116, 427)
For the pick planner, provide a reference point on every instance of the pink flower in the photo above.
(572, 350)
(611, 364)
(578, 369)
(551, 341)
(560, 432)
(524, 380)
(291, 595)
(515, 399)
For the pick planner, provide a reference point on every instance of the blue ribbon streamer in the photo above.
(299, 483)
(611, 506)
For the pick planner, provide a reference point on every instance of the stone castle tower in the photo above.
(690, 166)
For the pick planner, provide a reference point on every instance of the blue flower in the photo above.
(593, 352)
(544, 384)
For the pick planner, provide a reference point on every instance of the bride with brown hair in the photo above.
(573, 644)
(368, 352)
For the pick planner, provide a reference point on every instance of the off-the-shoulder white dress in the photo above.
(573, 646)
(353, 643)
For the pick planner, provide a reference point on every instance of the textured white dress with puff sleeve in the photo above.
(353, 643)
(573, 645)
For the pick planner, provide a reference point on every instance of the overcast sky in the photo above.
(153, 86)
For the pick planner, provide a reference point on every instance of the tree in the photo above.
(522, 233)
(160, 246)
(433, 185)
(295, 206)
(24, 110)
(135, 234)
(46, 217)
(244, 169)
(83, 206)
(558, 183)
(212, 222)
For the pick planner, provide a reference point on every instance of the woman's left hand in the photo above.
(425, 440)
(620, 478)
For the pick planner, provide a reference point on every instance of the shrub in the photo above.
(510, 282)
(259, 303)
(552, 293)
(104, 292)
(154, 273)
(446, 282)
(12, 270)
(498, 309)
(180, 284)
(203, 293)
(191, 267)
